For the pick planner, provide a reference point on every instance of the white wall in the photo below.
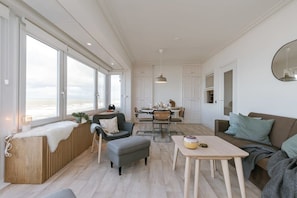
(8, 72)
(172, 89)
(257, 88)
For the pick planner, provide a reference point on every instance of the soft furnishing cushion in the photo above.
(234, 124)
(254, 129)
(290, 146)
(110, 126)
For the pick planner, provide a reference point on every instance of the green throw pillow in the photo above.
(254, 129)
(234, 124)
(290, 146)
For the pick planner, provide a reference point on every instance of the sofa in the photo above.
(282, 129)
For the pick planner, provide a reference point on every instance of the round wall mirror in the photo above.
(284, 63)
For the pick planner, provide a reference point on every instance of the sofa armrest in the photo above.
(221, 125)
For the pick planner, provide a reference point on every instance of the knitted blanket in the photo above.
(283, 173)
(256, 153)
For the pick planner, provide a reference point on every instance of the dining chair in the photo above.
(179, 119)
(181, 115)
(138, 116)
(142, 118)
(160, 118)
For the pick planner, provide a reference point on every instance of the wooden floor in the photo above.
(89, 180)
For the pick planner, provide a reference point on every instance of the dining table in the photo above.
(174, 111)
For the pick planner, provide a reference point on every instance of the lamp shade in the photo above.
(161, 79)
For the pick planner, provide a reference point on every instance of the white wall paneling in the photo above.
(143, 87)
(192, 87)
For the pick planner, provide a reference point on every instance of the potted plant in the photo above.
(79, 116)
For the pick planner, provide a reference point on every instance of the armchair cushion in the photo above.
(110, 126)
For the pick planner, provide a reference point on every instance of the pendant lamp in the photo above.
(161, 78)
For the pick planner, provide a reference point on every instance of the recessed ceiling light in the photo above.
(112, 63)
(89, 44)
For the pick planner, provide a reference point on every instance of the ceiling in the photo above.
(189, 31)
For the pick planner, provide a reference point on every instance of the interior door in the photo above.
(191, 98)
(227, 91)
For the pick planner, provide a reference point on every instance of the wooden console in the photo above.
(33, 163)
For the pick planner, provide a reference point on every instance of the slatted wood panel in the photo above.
(33, 163)
(82, 139)
(58, 159)
(28, 159)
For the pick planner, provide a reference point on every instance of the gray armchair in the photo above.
(65, 193)
(125, 130)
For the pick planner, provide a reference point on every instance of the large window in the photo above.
(41, 80)
(56, 80)
(80, 86)
(115, 90)
(101, 83)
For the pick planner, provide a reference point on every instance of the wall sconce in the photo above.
(26, 123)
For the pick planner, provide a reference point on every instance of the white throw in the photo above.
(93, 127)
(54, 132)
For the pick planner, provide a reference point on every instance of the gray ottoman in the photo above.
(127, 150)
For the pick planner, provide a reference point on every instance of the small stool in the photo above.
(126, 150)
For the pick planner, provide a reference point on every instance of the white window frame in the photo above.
(75, 55)
(27, 28)
(109, 88)
(94, 82)
(30, 29)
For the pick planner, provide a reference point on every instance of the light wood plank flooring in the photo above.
(89, 180)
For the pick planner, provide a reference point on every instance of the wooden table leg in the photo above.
(238, 166)
(212, 168)
(175, 156)
(227, 177)
(187, 177)
(93, 142)
(196, 181)
(99, 148)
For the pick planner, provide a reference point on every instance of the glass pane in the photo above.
(115, 90)
(101, 90)
(228, 92)
(209, 80)
(41, 80)
(80, 86)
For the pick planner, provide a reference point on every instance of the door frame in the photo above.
(225, 68)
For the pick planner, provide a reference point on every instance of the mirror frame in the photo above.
(281, 65)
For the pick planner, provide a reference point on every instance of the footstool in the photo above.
(127, 150)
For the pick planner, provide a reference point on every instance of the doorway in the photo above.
(227, 94)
